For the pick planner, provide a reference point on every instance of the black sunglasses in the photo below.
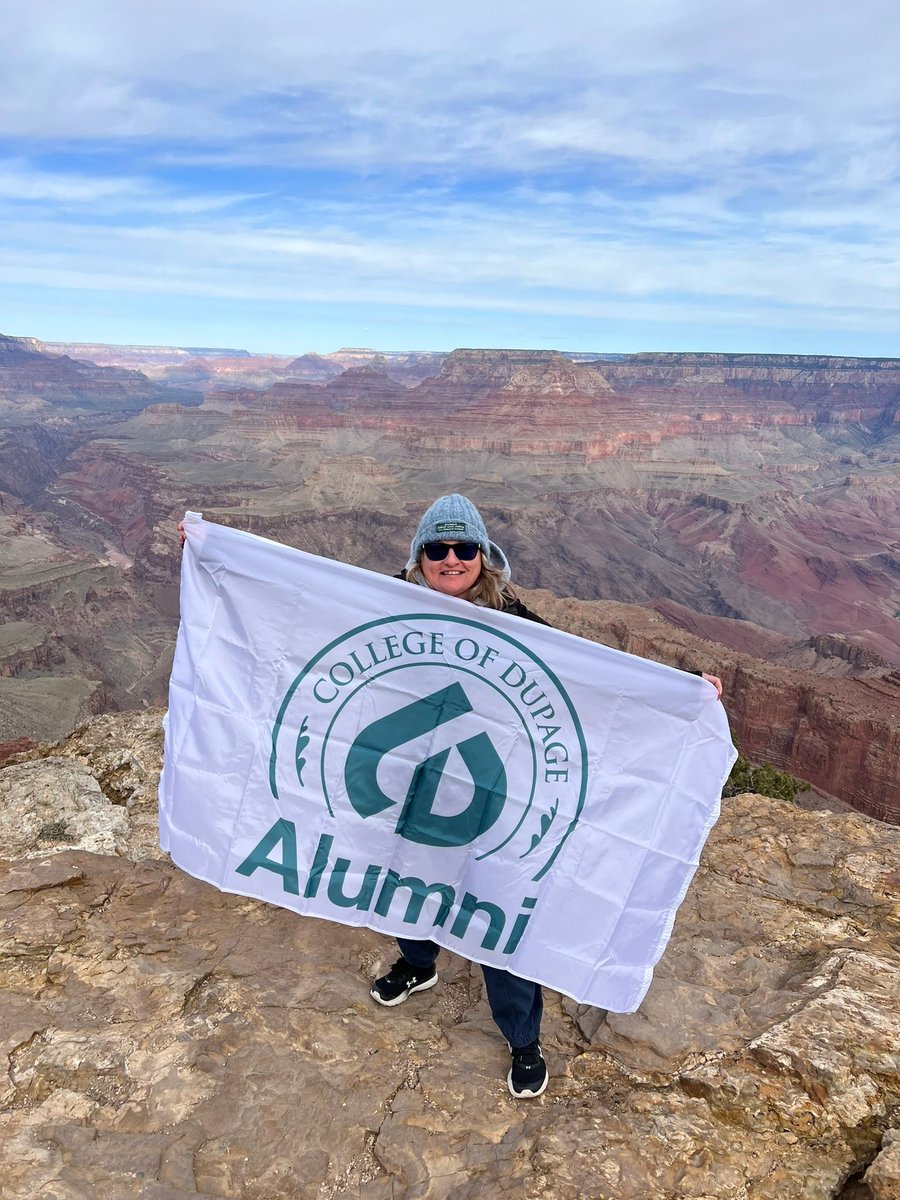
(438, 551)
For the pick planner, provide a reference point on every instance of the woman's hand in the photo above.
(181, 532)
(713, 679)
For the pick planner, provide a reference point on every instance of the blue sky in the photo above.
(656, 175)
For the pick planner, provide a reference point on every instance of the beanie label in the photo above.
(450, 527)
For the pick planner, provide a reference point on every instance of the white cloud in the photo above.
(19, 182)
(459, 255)
(103, 194)
(562, 158)
(422, 84)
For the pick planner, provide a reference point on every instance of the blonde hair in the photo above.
(489, 590)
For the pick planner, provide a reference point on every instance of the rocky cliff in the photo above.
(165, 1040)
(76, 634)
(757, 493)
(35, 383)
(840, 734)
(94, 627)
(208, 369)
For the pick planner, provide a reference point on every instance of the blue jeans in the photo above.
(516, 1004)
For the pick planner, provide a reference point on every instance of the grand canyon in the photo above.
(731, 512)
(734, 513)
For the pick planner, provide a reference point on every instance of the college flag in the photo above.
(354, 747)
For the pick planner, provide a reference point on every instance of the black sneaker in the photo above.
(528, 1073)
(401, 981)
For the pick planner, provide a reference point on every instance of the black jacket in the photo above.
(518, 609)
(514, 606)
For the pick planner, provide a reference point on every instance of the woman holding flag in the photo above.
(451, 553)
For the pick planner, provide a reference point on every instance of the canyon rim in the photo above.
(733, 510)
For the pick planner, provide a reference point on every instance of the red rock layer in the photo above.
(841, 735)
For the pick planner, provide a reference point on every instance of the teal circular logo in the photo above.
(437, 730)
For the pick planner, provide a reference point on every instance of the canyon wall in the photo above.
(761, 494)
(34, 382)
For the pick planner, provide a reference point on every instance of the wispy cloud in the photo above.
(700, 162)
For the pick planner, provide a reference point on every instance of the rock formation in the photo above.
(752, 487)
(751, 499)
(32, 382)
(840, 734)
(207, 369)
(77, 635)
(165, 1040)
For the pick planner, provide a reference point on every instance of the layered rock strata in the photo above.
(76, 637)
(842, 735)
(34, 382)
(207, 369)
(755, 487)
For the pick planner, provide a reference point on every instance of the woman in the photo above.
(451, 553)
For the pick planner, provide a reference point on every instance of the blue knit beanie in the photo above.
(456, 519)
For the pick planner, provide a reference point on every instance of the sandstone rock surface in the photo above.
(165, 1040)
(883, 1177)
(55, 804)
(111, 764)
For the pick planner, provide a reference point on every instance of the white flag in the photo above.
(355, 747)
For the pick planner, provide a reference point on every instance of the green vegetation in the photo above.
(55, 831)
(766, 780)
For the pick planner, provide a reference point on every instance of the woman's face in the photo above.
(451, 575)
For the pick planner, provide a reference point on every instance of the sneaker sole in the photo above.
(527, 1095)
(419, 987)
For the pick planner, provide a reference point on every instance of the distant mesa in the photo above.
(313, 367)
(207, 368)
(34, 382)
